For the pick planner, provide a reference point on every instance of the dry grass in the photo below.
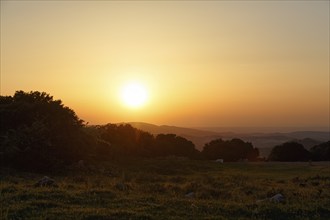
(157, 188)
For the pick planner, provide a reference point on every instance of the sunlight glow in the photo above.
(134, 95)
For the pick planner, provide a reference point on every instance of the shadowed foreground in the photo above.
(172, 188)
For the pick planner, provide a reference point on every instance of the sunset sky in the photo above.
(207, 63)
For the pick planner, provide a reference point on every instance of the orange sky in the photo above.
(213, 63)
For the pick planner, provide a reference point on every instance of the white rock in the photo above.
(277, 198)
(45, 181)
(190, 195)
(219, 160)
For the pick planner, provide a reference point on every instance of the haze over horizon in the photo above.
(240, 64)
(234, 129)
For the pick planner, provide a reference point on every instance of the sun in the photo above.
(134, 95)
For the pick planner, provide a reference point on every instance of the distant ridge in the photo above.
(155, 129)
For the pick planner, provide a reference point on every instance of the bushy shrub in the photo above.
(289, 151)
(171, 144)
(230, 150)
(321, 152)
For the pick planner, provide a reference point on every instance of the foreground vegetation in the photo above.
(170, 188)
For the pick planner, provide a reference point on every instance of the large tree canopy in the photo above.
(39, 132)
(23, 109)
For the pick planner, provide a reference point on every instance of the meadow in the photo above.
(170, 188)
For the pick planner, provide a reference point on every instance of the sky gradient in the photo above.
(212, 63)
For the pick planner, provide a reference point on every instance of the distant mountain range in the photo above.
(264, 141)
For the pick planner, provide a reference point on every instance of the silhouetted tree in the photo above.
(171, 144)
(214, 149)
(230, 150)
(289, 151)
(321, 152)
(125, 139)
(38, 132)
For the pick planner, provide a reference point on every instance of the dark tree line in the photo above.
(126, 140)
(230, 150)
(40, 133)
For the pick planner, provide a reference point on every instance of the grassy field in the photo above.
(159, 189)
